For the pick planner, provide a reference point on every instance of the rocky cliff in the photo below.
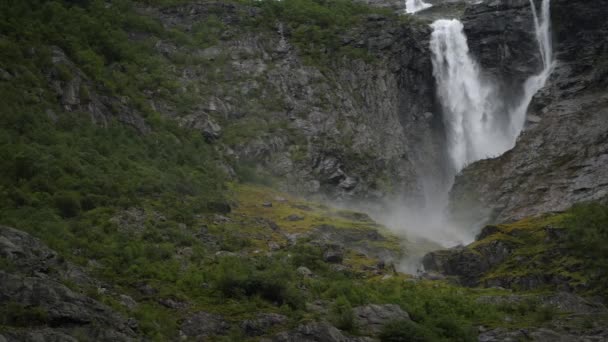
(135, 136)
(346, 127)
(560, 158)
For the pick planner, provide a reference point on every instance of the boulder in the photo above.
(371, 318)
(294, 217)
(262, 323)
(304, 271)
(333, 254)
(202, 325)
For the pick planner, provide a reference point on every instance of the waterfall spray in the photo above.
(477, 126)
(413, 6)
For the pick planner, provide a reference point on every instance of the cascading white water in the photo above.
(473, 117)
(413, 6)
(533, 84)
(479, 123)
(470, 110)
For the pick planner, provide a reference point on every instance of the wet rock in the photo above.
(267, 204)
(468, 264)
(535, 177)
(487, 231)
(348, 183)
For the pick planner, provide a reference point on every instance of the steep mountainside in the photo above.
(166, 169)
(561, 157)
(342, 126)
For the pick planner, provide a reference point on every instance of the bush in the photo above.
(587, 238)
(267, 278)
(406, 331)
(342, 314)
(68, 204)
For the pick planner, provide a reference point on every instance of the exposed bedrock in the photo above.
(561, 157)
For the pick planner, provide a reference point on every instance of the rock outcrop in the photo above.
(317, 332)
(561, 156)
(525, 255)
(41, 307)
(76, 92)
(349, 128)
(372, 318)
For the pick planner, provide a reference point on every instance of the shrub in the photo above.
(406, 331)
(267, 278)
(342, 314)
(587, 238)
(68, 204)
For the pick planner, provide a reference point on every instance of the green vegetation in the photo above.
(140, 207)
(587, 237)
(567, 247)
(317, 26)
(18, 315)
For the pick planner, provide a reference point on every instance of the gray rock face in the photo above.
(464, 263)
(561, 156)
(77, 93)
(331, 238)
(316, 332)
(65, 308)
(350, 129)
(34, 282)
(371, 318)
(262, 323)
(202, 324)
(501, 36)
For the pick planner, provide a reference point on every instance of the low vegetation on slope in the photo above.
(270, 254)
(135, 217)
(564, 251)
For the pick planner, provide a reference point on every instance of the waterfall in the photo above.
(533, 84)
(469, 103)
(413, 6)
(479, 123)
(472, 107)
